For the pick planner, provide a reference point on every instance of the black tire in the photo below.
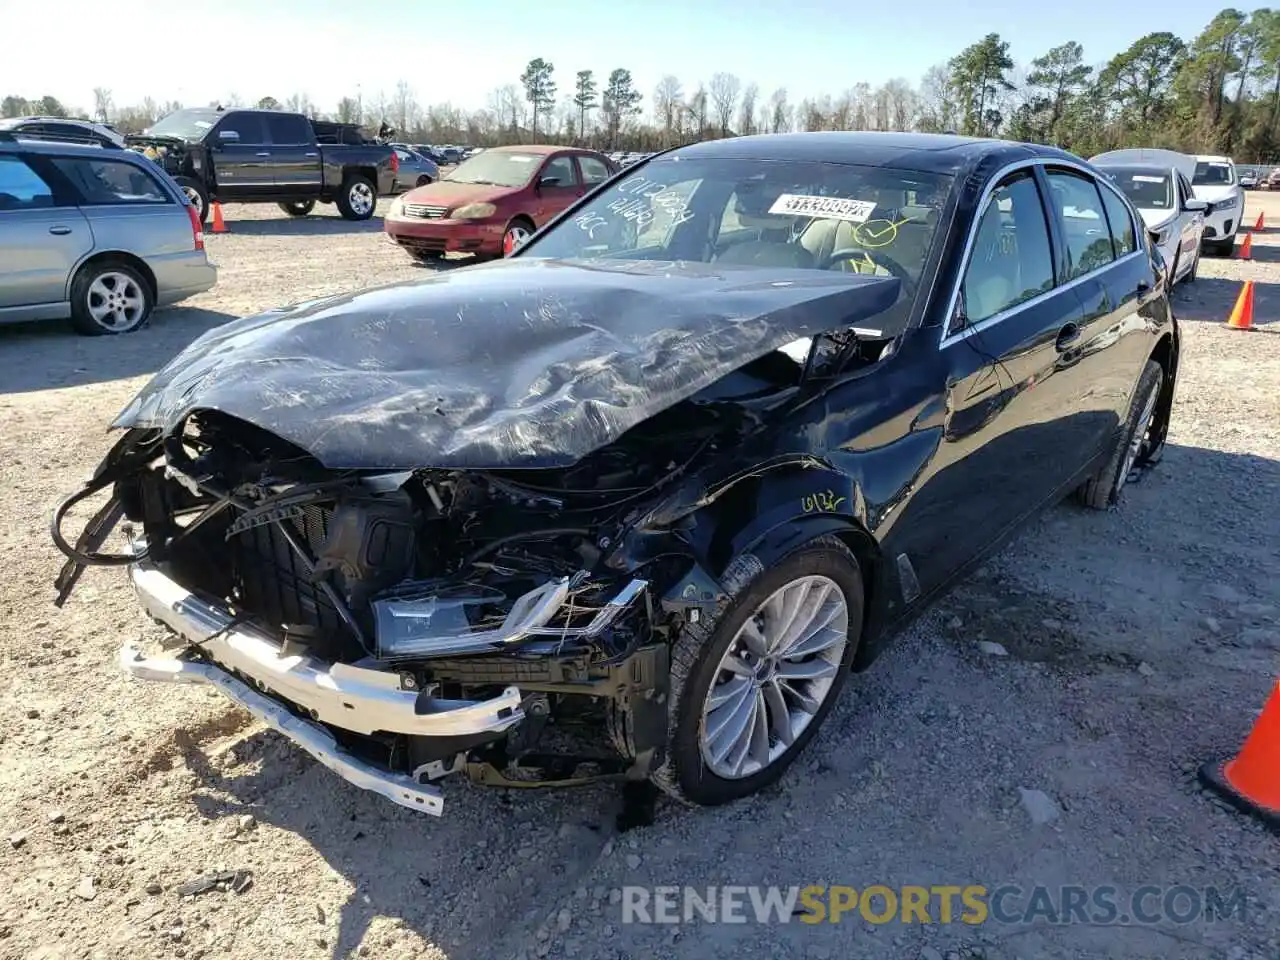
(1102, 491)
(297, 208)
(423, 180)
(86, 293)
(698, 650)
(1222, 248)
(519, 223)
(197, 194)
(1195, 268)
(358, 198)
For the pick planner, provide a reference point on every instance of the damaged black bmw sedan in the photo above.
(633, 502)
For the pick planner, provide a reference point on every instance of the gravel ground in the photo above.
(1138, 643)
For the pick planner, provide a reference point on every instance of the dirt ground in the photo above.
(1139, 644)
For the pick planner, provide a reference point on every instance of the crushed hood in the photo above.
(1154, 218)
(517, 363)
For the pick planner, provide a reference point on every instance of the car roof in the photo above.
(1205, 158)
(1140, 168)
(925, 152)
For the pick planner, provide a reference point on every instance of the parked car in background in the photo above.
(100, 236)
(270, 156)
(495, 201)
(414, 169)
(450, 155)
(1273, 179)
(1173, 216)
(636, 501)
(1249, 178)
(1213, 179)
(63, 130)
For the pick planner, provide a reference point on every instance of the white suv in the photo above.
(1215, 181)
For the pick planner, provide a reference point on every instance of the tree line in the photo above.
(1218, 92)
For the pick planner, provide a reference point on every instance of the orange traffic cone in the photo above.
(1260, 223)
(1251, 782)
(1242, 313)
(1246, 248)
(219, 225)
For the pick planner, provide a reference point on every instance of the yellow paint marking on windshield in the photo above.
(878, 233)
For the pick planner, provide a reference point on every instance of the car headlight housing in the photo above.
(473, 211)
(1227, 204)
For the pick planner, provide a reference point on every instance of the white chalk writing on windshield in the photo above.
(642, 199)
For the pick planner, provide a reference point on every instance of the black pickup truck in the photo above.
(269, 156)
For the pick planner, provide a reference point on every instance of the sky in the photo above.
(459, 51)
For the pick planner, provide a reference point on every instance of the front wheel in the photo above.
(751, 688)
(1136, 447)
(357, 198)
(1222, 248)
(1195, 266)
(517, 234)
(297, 208)
(197, 194)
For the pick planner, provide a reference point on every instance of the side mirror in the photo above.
(1196, 206)
(548, 181)
(228, 136)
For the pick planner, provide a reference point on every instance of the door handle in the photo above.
(313, 154)
(60, 230)
(1067, 336)
(263, 153)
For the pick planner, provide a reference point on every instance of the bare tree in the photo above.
(666, 106)
(902, 103)
(697, 108)
(747, 110)
(939, 110)
(724, 97)
(102, 104)
(404, 108)
(779, 112)
(842, 112)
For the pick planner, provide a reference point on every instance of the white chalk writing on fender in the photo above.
(829, 208)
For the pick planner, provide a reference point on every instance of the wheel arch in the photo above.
(116, 256)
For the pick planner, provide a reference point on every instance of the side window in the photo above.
(110, 182)
(562, 169)
(21, 188)
(1011, 260)
(288, 129)
(1075, 198)
(1122, 234)
(593, 170)
(249, 125)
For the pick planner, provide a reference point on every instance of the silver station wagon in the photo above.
(102, 236)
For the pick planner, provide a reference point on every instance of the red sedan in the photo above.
(493, 202)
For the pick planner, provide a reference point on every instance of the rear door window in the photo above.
(1075, 199)
(593, 170)
(288, 130)
(110, 182)
(1123, 238)
(21, 188)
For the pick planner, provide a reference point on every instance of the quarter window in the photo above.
(110, 182)
(21, 188)
(1011, 260)
(1075, 198)
(288, 129)
(1122, 235)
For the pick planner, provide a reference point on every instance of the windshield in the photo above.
(1213, 174)
(753, 213)
(502, 168)
(184, 124)
(1149, 189)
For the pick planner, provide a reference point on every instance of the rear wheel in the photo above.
(109, 297)
(423, 180)
(750, 688)
(196, 193)
(357, 198)
(297, 208)
(1136, 445)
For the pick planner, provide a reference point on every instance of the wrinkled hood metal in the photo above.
(517, 363)
(1156, 219)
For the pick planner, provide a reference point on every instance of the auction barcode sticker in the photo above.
(831, 208)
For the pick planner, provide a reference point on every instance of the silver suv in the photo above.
(100, 235)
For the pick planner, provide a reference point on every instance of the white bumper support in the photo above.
(353, 698)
